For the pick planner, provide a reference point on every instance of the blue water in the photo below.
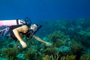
(44, 9)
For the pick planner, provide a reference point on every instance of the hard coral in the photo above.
(46, 58)
(55, 57)
(30, 54)
(50, 51)
(10, 53)
(72, 57)
(85, 57)
(54, 36)
(57, 35)
(76, 47)
(64, 50)
(59, 43)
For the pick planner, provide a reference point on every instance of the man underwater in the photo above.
(15, 32)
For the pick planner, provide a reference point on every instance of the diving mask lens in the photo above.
(33, 27)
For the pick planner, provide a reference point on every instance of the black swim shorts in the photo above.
(4, 30)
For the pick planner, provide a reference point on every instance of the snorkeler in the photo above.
(15, 32)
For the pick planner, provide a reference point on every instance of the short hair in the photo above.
(36, 25)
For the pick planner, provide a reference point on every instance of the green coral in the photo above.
(57, 35)
(55, 57)
(50, 51)
(85, 57)
(10, 53)
(59, 43)
(76, 47)
(30, 54)
(46, 58)
(54, 36)
(71, 57)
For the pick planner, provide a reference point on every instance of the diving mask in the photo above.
(33, 27)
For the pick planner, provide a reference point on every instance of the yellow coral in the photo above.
(10, 53)
(30, 54)
(46, 58)
(85, 57)
(50, 51)
(76, 47)
(72, 57)
(55, 57)
(63, 58)
(57, 35)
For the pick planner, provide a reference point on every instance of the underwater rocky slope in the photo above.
(70, 41)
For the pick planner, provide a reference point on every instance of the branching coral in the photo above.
(84, 40)
(76, 47)
(50, 51)
(57, 37)
(64, 50)
(55, 57)
(10, 53)
(59, 43)
(46, 58)
(30, 54)
(54, 36)
(85, 57)
(72, 57)
(65, 42)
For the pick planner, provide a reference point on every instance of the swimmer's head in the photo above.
(33, 27)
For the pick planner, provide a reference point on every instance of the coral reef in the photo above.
(55, 36)
(64, 50)
(10, 53)
(50, 51)
(55, 57)
(76, 47)
(58, 38)
(30, 54)
(85, 57)
(72, 57)
(46, 58)
(70, 41)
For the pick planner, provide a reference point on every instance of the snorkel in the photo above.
(32, 26)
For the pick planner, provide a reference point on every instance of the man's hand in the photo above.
(48, 44)
(24, 45)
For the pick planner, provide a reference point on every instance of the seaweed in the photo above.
(64, 50)
(10, 53)
(85, 57)
(76, 47)
(55, 36)
(55, 57)
(50, 51)
(46, 57)
(30, 54)
(71, 57)
(59, 43)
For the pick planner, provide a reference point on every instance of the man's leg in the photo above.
(4, 30)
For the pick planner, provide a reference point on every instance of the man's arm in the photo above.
(16, 32)
(39, 39)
